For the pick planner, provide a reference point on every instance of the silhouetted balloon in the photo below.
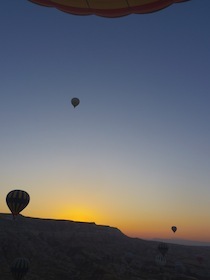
(174, 228)
(19, 268)
(107, 8)
(75, 102)
(163, 248)
(160, 260)
(17, 200)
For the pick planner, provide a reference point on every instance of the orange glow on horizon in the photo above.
(138, 226)
(78, 214)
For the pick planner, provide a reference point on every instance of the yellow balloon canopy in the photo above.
(107, 8)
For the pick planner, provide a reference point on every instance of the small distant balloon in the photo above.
(75, 102)
(17, 200)
(160, 260)
(163, 248)
(174, 228)
(19, 268)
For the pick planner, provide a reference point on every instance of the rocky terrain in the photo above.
(67, 250)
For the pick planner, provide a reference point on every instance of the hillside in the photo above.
(64, 250)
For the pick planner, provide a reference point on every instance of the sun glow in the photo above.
(78, 213)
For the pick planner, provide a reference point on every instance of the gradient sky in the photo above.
(135, 154)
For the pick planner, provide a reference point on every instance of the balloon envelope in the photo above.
(163, 248)
(17, 200)
(174, 228)
(19, 268)
(75, 101)
(107, 8)
(160, 260)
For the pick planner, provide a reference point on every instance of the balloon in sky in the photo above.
(19, 268)
(17, 200)
(163, 248)
(75, 102)
(107, 8)
(174, 228)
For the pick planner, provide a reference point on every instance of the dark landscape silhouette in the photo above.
(64, 250)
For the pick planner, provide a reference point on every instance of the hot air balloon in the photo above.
(163, 248)
(174, 228)
(17, 200)
(75, 102)
(19, 268)
(107, 8)
(160, 260)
